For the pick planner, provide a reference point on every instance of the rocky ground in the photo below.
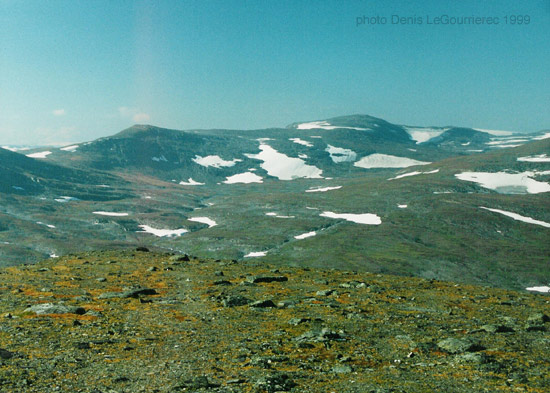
(138, 321)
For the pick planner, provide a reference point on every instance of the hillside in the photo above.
(136, 321)
(352, 192)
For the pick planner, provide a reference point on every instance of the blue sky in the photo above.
(72, 71)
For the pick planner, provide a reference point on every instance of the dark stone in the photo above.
(222, 282)
(5, 354)
(235, 301)
(458, 345)
(83, 345)
(297, 321)
(263, 304)
(180, 258)
(260, 279)
(497, 329)
(142, 249)
(131, 293)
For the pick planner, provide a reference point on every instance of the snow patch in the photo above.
(256, 254)
(15, 148)
(301, 142)
(543, 289)
(63, 199)
(323, 189)
(305, 235)
(204, 220)
(494, 132)
(538, 158)
(424, 134)
(506, 183)
(506, 141)
(325, 125)
(544, 136)
(339, 154)
(273, 214)
(402, 206)
(518, 217)
(284, 167)
(387, 161)
(246, 177)
(162, 232)
(112, 214)
(48, 225)
(214, 161)
(367, 218)
(159, 159)
(413, 174)
(191, 182)
(71, 148)
(41, 154)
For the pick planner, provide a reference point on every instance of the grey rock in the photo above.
(491, 328)
(458, 345)
(134, 293)
(297, 321)
(342, 369)
(472, 357)
(101, 279)
(286, 303)
(322, 335)
(50, 308)
(538, 319)
(180, 258)
(235, 301)
(325, 292)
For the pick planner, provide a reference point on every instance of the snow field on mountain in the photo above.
(506, 182)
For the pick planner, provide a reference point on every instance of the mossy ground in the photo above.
(379, 336)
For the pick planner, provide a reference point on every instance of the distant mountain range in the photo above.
(348, 192)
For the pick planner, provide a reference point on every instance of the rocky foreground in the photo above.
(149, 322)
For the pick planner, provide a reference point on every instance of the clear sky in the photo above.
(72, 71)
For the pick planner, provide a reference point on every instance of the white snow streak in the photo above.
(305, 235)
(204, 220)
(387, 161)
(518, 217)
(41, 154)
(367, 218)
(162, 232)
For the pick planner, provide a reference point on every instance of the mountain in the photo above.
(352, 192)
(225, 326)
(23, 175)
